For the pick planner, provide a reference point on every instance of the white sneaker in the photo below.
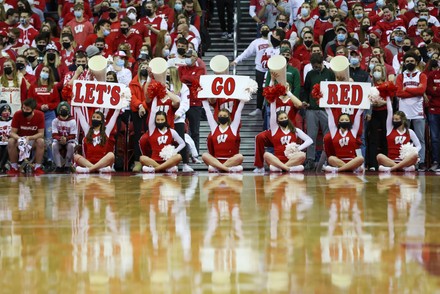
(187, 169)
(173, 169)
(82, 170)
(330, 169)
(236, 169)
(296, 168)
(411, 168)
(259, 170)
(106, 169)
(384, 169)
(196, 160)
(273, 168)
(256, 112)
(359, 170)
(148, 169)
(212, 169)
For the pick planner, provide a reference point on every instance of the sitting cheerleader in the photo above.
(164, 157)
(287, 155)
(399, 135)
(345, 144)
(97, 152)
(225, 140)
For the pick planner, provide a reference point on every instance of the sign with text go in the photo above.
(224, 86)
(97, 94)
(345, 95)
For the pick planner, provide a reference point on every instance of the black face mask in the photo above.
(66, 45)
(7, 70)
(265, 33)
(428, 42)
(410, 66)
(20, 66)
(283, 123)
(31, 59)
(365, 28)
(322, 13)
(397, 124)
(26, 114)
(100, 49)
(41, 47)
(435, 3)
(112, 15)
(223, 120)
(124, 31)
(144, 72)
(64, 112)
(168, 78)
(51, 56)
(308, 43)
(148, 12)
(160, 126)
(275, 42)
(282, 24)
(12, 40)
(96, 123)
(181, 51)
(344, 125)
(434, 63)
(406, 48)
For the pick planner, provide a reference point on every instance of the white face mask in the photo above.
(377, 75)
(167, 39)
(132, 16)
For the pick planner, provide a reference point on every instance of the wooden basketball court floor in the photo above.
(220, 233)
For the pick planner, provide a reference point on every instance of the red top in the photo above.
(189, 74)
(288, 107)
(223, 103)
(159, 140)
(43, 96)
(166, 13)
(280, 140)
(138, 94)
(226, 143)
(25, 126)
(434, 95)
(155, 23)
(167, 107)
(95, 151)
(80, 30)
(345, 145)
(395, 140)
(133, 39)
(67, 12)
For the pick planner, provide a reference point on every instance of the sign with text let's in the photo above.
(97, 94)
(224, 86)
(345, 95)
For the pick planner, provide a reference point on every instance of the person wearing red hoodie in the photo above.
(433, 91)
(125, 35)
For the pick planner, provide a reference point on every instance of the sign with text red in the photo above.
(224, 86)
(345, 95)
(97, 94)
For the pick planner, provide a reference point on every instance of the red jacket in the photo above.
(190, 74)
(433, 95)
(138, 95)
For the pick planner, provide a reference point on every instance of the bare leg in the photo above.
(386, 161)
(297, 159)
(352, 165)
(273, 160)
(107, 160)
(173, 161)
(235, 160)
(82, 161)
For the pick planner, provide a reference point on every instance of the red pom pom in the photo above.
(273, 92)
(156, 90)
(67, 93)
(195, 89)
(387, 89)
(316, 92)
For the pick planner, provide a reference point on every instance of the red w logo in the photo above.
(399, 140)
(285, 140)
(162, 140)
(222, 138)
(344, 141)
(264, 60)
(163, 108)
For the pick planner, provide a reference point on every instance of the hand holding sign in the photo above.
(345, 95)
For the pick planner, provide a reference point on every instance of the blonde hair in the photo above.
(175, 79)
(4, 80)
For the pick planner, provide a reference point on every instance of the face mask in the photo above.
(114, 5)
(181, 51)
(341, 37)
(434, 63)
(371, 66)
(44, 75)
(304, 12)
(410, 66)
(398, 39)
(144, 72)
(78, 13)
(132, 16)
(112, 15)
(26, 114)
(41, 47)
(424, 17)
(377, 75)
(365, 28)
(265, 33)
(66, 45)
(168, 78)
(96, 123)
(160, 3)
(23, 21)
(335, 24)
(100, 49)
(124, 31)
(372, 42)
(64, 112)
(282, 24)
(12, 40)
(167, 39)
(51, 56)
(359, 16)
(120, 62)
(380, 3)
(354, 61)
(322, 13)
(166, 52)
(84, 66)
(308, 43)
(188, 61)
(283, 123)
(178, 7)
(160, 126)
(223, 120)
(275, 42)
(148, 12)
(7, 70)
(344, 125)
(430, 54)
(31, 59)
(427, 42)
(397, 124)
(405, 48)
(6, 115)
(20, 66)
(106, 32)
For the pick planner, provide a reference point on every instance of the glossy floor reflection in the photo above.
(220, 234)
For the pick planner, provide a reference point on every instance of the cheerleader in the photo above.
(5, 130)
(398, 133)
(97, 151)
(345, 144)
(225, 139)
(283, 132)
(160, 135)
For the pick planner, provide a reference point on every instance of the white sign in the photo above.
(98, 94)
(224, 86)
(345, 95)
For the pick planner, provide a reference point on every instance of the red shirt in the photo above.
(226, 144)
(134, 40)
(80, 30)
(345, 145)
(155, 23)
(43, 96)
(434, 95)
(166, 13)
(28, 127)
(95, 151)
(395, 140)
(67, 12)
(189, 74)
(158, 140)
(280, 140)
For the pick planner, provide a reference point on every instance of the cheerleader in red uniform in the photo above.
(398, 133)
(225, 140)
(161, 135)
(97, 151)
(345, 144)
(283, 132)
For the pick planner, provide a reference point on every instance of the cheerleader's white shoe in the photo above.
(148, 169)
(173, 169)
(273, 168)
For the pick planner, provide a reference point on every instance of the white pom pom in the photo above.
(291, 150)
(251, 88)
(406, 150)
(126, 97)
(375, 97)
(167, 152)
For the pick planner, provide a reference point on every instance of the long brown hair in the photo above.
(290, 124)
(50, 81)
(160, 43)
(89, 136)
(4, 80)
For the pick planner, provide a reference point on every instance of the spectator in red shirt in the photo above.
(125, 35)
(165, 12)
(388, 23)
(20, 63)
(102, 30)
(12, 19)
(80, 26)
(153, 23)
(28, 128)
(66, 10)
(34, 20)
(68, 51)
(28, 32)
